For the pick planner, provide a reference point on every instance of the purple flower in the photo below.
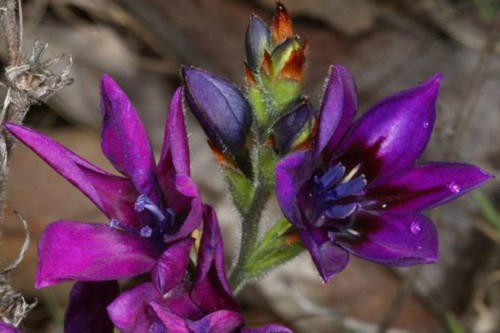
(7, 328)
(358, 190)
(176, 302)
(152, 207)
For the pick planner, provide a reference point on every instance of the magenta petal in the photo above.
(222, 321)
(211, 290)
(7, 328)
(124, 140)
(113, 195)
(328, 258)
(393, 239)
(272, 328)
(70, 250)
(337, 109)
(291, 174)
(172, 266)
(171, 321)
(87, 307)
(392, 135)
(175, 144)
(187, 199)
(129, 312)
(427, 186)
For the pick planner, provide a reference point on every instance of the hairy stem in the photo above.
(250, 223)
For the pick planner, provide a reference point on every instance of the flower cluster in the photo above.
(345, 186)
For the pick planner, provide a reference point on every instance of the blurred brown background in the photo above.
(389, 45)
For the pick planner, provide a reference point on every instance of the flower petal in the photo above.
(328, 257)
(392, 239)
(7, 328)
(175, 151)
(87, 307)
(338, 109)
(170, 320)
(211, 290)
(222, 321)
(188, 201)
(124, 140)
(427, 186)
(129, 311)
(272, 328)
(292, 172)
(392, 135)
(172, 266)
(70, 250)
(113, 195)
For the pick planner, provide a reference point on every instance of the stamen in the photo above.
(351, 174)
(114, 223)
(144, 203)
(146, 232)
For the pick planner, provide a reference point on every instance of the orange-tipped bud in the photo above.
(294, 67)
(249, 76)
(282, 25)
(267, 64)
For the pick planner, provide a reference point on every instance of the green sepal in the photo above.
(268, 160)
(284, 93)
(276, 247)
(256, 99)
(241, 189)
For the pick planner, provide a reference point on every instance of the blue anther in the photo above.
(146, 232)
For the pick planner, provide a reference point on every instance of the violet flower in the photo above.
(358, 191)
(152, 207)
(177, 302)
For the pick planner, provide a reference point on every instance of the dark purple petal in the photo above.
(129, 312)
(222, 321)
(87, 307)
(392, 135)
(292, 172)
(7, 328)
(172, 266)
(257, 40)
(70, 250)
(328, 258)
(272, 328)
(427, 186)
(392, 239)
(170, 320)
(211, 290)
(338, 109)
(124, 140)
(289, 127)
(113, 195)
(220, 108)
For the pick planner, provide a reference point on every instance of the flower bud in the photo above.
(220, 108)
(293, 128)
(257, 40)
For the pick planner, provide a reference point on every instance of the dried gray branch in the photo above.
(13, 306)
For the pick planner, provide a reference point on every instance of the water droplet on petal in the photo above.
(384, 206)
(415, 228)
(453, 187)
(114, 223)
(426, 124)
(419, 247)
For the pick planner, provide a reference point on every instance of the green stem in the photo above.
(250, 223)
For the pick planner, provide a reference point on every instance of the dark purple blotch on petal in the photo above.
(87, 307)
